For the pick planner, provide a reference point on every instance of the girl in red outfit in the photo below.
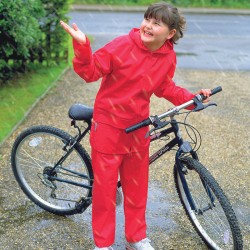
(132, 68)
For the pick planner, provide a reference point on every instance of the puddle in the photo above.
(158, 215)
(36, 225)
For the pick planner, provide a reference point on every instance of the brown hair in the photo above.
(169, 15)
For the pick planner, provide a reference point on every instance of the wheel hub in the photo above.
(47, 173)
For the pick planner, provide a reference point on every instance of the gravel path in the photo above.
(225, 151)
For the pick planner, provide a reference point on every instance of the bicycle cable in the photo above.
(196, 139)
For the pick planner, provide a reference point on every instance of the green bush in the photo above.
(19, 33)
(55, 39)
(30, 32)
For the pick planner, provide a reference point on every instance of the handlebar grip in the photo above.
(213, 92)
(141, 124)
(216, 90)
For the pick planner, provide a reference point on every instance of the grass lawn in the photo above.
(20, 93)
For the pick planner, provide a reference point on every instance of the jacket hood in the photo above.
(136, 37)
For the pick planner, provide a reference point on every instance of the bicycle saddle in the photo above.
(80, 112)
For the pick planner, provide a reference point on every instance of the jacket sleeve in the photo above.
(173, 93)
(90, 66)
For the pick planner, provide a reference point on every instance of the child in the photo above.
(132, 67)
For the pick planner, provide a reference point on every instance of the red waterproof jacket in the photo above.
(131, 74)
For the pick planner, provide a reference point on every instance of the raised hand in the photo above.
(76, 34)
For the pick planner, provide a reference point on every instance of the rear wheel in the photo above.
(34, 154)
(213, 218)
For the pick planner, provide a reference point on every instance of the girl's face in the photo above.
(154, 33)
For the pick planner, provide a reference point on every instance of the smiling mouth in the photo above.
(147, 33)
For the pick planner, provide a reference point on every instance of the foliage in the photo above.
(29, 32)
(19, 33)
(32, 85)
(181, 3)
(54, 39)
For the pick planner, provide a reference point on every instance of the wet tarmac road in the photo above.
(211, 42)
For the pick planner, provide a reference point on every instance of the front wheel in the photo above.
(207, 207)
(35, 153)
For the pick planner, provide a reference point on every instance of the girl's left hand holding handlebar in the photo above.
(205, 92)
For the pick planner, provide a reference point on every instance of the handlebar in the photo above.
(198, 98)
(141, 124)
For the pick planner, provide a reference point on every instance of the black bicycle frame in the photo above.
(71, 144)
(183, 147)
(177, 141)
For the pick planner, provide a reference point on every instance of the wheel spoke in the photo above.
(32, 158)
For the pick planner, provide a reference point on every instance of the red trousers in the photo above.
(133, 169)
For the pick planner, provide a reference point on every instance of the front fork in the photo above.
(183, 170)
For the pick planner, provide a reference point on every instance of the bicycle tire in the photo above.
(217, 226)
(34, 153)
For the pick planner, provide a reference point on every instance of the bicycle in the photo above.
(54, 170)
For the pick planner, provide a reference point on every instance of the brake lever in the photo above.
(210, 104)
(201, 106)
(157, 123)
